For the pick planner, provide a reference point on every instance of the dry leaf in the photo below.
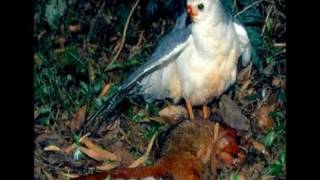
(94, 155)
(68, 175)
(144, 157)
(244, 74)
(172, 113)
(267, 177)
(98, 152)
(37, 59)
(265, 122)
(74, 28)
(139, 161)
(78, 119)
(105, 90)
(108, 166)
(277, 82)
(232, 115)
(52, 148)
(260, 147)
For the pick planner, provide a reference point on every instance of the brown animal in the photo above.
(185, 154)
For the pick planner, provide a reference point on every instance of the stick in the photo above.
(123, 34)
(248, 7)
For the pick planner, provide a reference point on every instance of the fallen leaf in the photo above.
(232, 115)
(244, 74)
(69, 175)
(37, 60)
(265, 122)
(105, 90)
(94, 155)
(277, 82)
(52, 148)
(267, 177)
(107, 166)
(74, 28)
(139, 161)
(97, 152)
(172, 114)
(260, 147)
(78, 119)
(144, 157)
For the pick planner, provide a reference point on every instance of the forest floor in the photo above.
(81, 55)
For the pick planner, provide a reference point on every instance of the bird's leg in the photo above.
(206, 111)
(189, 108)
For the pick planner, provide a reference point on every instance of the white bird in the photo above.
(195, 62)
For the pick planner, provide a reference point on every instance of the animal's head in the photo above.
(199, 9)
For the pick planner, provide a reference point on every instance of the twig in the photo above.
(124, 34)
(266, 21)
(279, 44)
(248, 7)
(234, 5)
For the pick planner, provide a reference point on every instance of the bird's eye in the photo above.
(200, 6)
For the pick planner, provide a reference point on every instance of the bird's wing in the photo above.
(168, 47)
(245, 45)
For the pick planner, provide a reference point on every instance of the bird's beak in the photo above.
(191, 12)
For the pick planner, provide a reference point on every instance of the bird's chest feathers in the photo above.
(206, 70)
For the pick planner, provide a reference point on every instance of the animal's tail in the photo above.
(128, 173)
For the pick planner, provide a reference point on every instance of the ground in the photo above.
(84, 49)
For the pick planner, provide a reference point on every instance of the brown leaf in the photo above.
(69, 175)
(232, 114)
(259, 147)
(74, 28)
(105, 90)
(144, 157)
(277, 82)
(78, 119)
(52, 148)
(244, 74)
(172, 114)
(108, 166)
(267, 177)
(265, 122)
(37, 59)
(96, 152)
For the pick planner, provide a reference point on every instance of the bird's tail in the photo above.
(109, 107)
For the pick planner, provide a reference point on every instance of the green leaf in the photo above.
(269, 138)
(54, 10)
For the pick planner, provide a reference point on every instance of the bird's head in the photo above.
(199, 9)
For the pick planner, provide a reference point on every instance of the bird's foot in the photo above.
(206, 112)
(189, 109)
